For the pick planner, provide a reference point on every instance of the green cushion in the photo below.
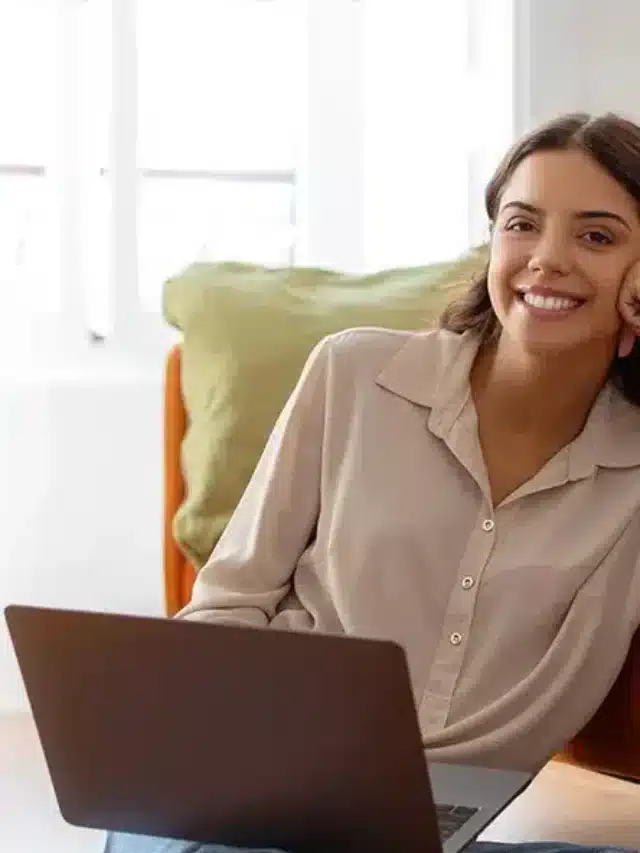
(247, 331)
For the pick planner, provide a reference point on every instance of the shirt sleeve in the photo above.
(251, 568)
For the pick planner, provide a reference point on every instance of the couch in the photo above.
(198, 303)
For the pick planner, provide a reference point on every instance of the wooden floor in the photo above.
(564, 803)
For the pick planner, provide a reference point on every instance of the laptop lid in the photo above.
(227, 734)
(239, 736)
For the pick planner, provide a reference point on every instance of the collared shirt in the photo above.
(370, 513)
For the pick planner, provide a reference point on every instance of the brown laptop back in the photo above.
(227, 734)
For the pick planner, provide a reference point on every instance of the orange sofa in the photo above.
(610, 743)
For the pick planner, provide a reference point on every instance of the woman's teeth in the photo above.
(550, 303)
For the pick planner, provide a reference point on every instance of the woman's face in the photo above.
(564, 236)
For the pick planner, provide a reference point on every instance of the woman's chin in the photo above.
(549, 341)
(554, 340)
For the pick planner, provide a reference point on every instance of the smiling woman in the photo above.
(563, 257)
(445, 489)
(564, 209)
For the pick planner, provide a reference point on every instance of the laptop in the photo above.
(301, 742)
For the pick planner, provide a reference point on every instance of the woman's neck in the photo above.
(539, 393)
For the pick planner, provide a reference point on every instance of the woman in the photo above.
(472, 492)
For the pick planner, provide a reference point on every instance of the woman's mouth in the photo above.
(549, 305)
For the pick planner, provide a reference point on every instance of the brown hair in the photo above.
(614, 143)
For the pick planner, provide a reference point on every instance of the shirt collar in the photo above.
(432, 370)
(610, 438)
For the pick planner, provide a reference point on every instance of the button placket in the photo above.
(439, 689)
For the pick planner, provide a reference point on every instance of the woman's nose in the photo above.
(551, 253)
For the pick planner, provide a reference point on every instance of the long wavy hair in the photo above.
(614, 143)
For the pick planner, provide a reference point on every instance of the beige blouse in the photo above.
(369, 513)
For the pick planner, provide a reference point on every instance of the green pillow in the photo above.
(247, 332)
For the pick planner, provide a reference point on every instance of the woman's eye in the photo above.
(598, 238)
(518, 225)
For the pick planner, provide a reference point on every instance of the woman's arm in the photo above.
(250, 570)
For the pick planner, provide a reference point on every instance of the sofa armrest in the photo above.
(178, 573)
(610, 743)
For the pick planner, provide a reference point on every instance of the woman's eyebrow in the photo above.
(580, 214)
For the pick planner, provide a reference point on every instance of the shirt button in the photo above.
(488, 525)
(455, 639)
(467, 583)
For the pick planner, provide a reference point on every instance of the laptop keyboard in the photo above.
(452, 818)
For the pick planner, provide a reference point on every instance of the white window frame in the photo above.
(334, 178)
(328, 213)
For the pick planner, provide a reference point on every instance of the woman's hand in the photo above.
(629, 307)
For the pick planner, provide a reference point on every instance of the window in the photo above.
(418, 131)
(217, 133)
(491, 119)
(154, 133)
(219, 108)
(29, 97)
(194, 136)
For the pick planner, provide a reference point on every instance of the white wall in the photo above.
(576, 55)
(80, 441)
(80, 492)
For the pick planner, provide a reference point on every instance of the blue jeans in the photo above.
(139, 844)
